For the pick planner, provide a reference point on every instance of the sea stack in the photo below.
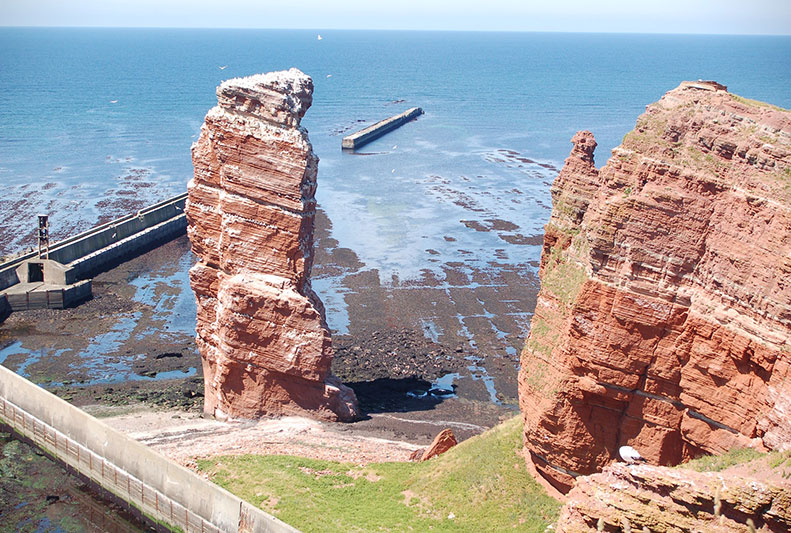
(261, 329)
(664, 316)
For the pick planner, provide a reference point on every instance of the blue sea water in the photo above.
(94, 122)
(80, 107)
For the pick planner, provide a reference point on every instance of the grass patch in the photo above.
(563, 277)
(717, 463)
(758, 463)
(542, 338)
(780, 460)
(480, 485)
(541, 341)
(757, 103)
(538, 326)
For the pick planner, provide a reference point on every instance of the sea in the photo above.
(96, 123)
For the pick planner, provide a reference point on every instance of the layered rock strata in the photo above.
(261, 330)
(664, 316)
(661, 499)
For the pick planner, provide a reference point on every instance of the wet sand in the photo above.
(460, 332)
(138, 325)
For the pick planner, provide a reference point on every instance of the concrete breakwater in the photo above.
(62, 278)
(157, 487)
(373, 132)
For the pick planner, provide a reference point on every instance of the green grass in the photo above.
(542, 339)
(563, 277)
(717, 463)
(758, 463)
(480, 485)
(780, 460)
(758, 103)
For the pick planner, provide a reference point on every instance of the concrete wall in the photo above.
(5, 307)
(371, 133)
(8, 274)
(46, 297)
(91, 250)
(54, 272)
(128, 469)
(88, 265)
(118, 231)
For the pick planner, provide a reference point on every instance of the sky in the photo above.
(631, 16)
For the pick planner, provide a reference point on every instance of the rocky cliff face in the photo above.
(661, 499)
(261, 331)
(664, 317)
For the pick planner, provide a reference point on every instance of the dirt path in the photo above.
(185, 437)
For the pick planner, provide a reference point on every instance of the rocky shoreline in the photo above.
(391, 369)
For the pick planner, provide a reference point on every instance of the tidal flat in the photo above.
(419, 353)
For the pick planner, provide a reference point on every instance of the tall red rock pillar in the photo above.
(261, 330)
(664, 316)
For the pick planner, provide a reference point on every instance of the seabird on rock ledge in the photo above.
(630, 455)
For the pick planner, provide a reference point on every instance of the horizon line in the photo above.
(248, 28)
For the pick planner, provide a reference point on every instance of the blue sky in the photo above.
(641, 16)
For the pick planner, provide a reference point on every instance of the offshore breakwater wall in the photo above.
(82, 256)
(132, 472)
(373, 132)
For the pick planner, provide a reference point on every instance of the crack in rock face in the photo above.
(261, 329)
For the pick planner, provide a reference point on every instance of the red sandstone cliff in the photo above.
(261, 331)
(660, 499)
(664, 317)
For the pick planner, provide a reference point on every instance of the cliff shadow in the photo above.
(397, 395)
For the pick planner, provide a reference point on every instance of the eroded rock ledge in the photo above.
(664, 317)
(661, 499)
(261, 330)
